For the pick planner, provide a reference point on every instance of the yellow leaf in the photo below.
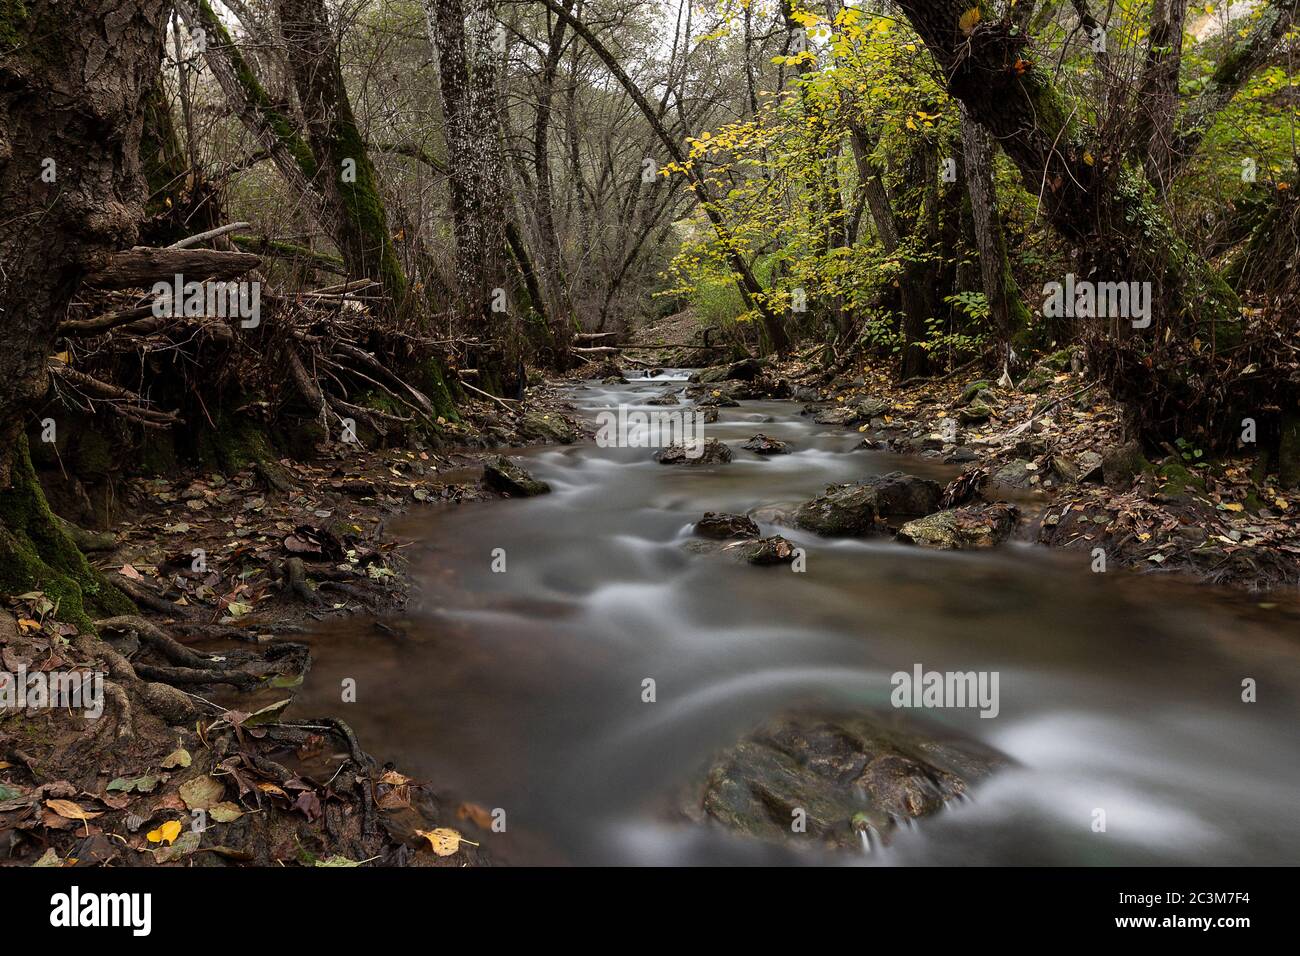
(1282, 503)
(444, 841)
(969, 19)
(167, 833)
(27, 624)
(1232, 506)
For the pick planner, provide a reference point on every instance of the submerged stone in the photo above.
(830, 779)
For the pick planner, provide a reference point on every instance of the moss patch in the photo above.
(37, 555)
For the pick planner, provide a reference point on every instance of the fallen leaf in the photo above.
(200, 793)
(444, 841)
(167, 833)
(225, 812)
(177, 758)
(66, 808)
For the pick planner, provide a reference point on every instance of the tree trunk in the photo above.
(553, 279)
(475, 159)
(73, 88)
(345, 174)
(1006, 310)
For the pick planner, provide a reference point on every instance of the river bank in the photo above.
(349, 537)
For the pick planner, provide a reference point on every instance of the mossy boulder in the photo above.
(975, 413)
(1120, 464)
(547, 427)
(973, 390)
(961, 529)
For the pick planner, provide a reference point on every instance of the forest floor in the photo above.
(234, 568)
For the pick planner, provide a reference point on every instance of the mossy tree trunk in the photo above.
(1107, 211)
(1087, 195)
(73, 93)
(344, 172)
(349, 209)
(36, 553)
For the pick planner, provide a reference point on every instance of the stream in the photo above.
(522, 690)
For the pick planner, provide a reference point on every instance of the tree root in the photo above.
(168, 647)
(192, 676)
(295, 581)
(147, 597)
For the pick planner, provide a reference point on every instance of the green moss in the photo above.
(1179, 480)
(36, 554)
(365, 209)
(13, 16)
(433, 382)
(234, 444)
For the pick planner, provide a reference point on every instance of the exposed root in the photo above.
(168, 647)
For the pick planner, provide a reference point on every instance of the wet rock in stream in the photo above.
(977, 526)
(722, 526)
(760, 444)
(854, 509)
(509, 477)
(849, 774)
(712, 452)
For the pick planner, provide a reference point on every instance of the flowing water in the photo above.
(523, 690)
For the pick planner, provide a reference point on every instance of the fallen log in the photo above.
(142, 266)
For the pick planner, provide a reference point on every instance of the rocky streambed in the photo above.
(590, 661)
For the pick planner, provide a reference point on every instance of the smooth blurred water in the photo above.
(522, 690)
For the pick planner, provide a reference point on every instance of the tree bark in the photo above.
(73, 87)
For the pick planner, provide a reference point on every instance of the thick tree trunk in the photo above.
(475, 159)
(73, 87)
